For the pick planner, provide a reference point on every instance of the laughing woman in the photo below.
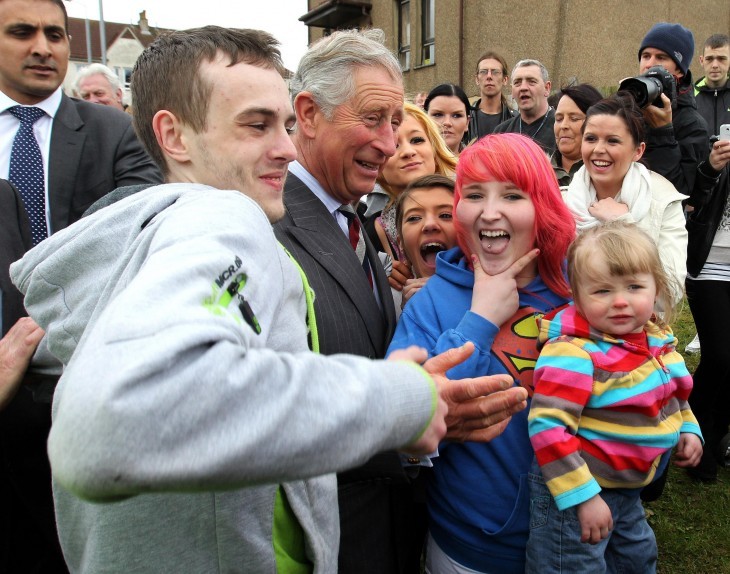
(420, 150)
(613, 185)
(513, 231)
(425, 223)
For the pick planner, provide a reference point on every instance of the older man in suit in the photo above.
(63, 155)
(348, 99)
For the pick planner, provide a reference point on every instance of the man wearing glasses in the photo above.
(491, 109)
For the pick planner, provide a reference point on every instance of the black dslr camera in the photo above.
(648, 88)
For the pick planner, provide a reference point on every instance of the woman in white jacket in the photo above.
(612, 184)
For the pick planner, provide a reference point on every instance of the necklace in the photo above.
(542, 123)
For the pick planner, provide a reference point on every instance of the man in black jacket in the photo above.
(712, 92)
(491, 109)
(677, 138)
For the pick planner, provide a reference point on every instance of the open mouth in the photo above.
(601, 163)
(430, 250)
(369, 166)
(494, 241)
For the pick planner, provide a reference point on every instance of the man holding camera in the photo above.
(677, 136)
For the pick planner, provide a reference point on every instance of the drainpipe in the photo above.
(461, 42)
(102, 32)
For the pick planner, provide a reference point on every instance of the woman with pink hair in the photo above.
(513, 231)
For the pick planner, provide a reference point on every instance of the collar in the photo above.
(50, 105)
(316, 188)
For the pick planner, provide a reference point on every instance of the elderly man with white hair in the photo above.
(99, 85)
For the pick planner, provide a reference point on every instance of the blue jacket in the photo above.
(478, 497)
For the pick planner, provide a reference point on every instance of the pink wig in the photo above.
(517, 159)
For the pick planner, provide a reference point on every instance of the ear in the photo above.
(702, 60)
(505, 80)
(548, 85)
(639, 151)
(308, 114)
(170, 137)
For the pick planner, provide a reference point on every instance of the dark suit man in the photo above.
(343, 137)
(88, 150)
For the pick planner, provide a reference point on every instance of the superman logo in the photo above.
(515, 346)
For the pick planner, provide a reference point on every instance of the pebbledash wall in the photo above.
(593, 41)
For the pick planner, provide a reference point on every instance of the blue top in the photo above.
(478, 496)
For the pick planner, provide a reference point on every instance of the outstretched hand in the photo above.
(495, 297)
(475, 409)
(436, 430)
(16, 349)
(479, 408)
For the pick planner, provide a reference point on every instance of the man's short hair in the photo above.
(167, 75)
(327, 69)
(62, 6)
(526, 63)
(94, 70)
(489, 55)
(717, 41)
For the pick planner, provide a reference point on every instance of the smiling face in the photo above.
(608, 151)
(568, 124)
(345, 152)
(427, 228)
(246, 144)
(413, 156)
(34, 48)
(498, 220)
(453, 118)
(716, 64)
(616, 305)
(97, 90)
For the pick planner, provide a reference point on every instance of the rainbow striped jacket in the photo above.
(604, 409)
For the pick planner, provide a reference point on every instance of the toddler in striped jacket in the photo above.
(610, 403)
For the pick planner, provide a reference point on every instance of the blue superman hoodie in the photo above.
(478, 494)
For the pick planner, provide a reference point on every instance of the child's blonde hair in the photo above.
(627, 250)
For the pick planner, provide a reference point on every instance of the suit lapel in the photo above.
(319, 235)
(67, 144)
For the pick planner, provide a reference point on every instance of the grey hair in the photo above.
(326, 69)
(525, 63)
(93, 70)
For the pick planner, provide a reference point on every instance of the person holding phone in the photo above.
(708, 293)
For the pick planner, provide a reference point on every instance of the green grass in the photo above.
(692, 520)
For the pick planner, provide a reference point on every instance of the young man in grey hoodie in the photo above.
(193, 431)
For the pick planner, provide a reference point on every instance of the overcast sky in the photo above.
(279, 17)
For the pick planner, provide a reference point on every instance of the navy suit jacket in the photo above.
(93, 151)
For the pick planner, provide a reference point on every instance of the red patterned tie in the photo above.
(356, 239)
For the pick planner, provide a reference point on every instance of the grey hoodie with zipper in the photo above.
(189, 407)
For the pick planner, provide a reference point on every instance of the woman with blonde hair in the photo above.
(420, 151)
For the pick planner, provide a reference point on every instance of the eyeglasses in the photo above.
(495, 73)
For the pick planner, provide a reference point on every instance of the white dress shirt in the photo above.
(42, 129)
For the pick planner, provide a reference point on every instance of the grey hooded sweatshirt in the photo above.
(190, 413)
